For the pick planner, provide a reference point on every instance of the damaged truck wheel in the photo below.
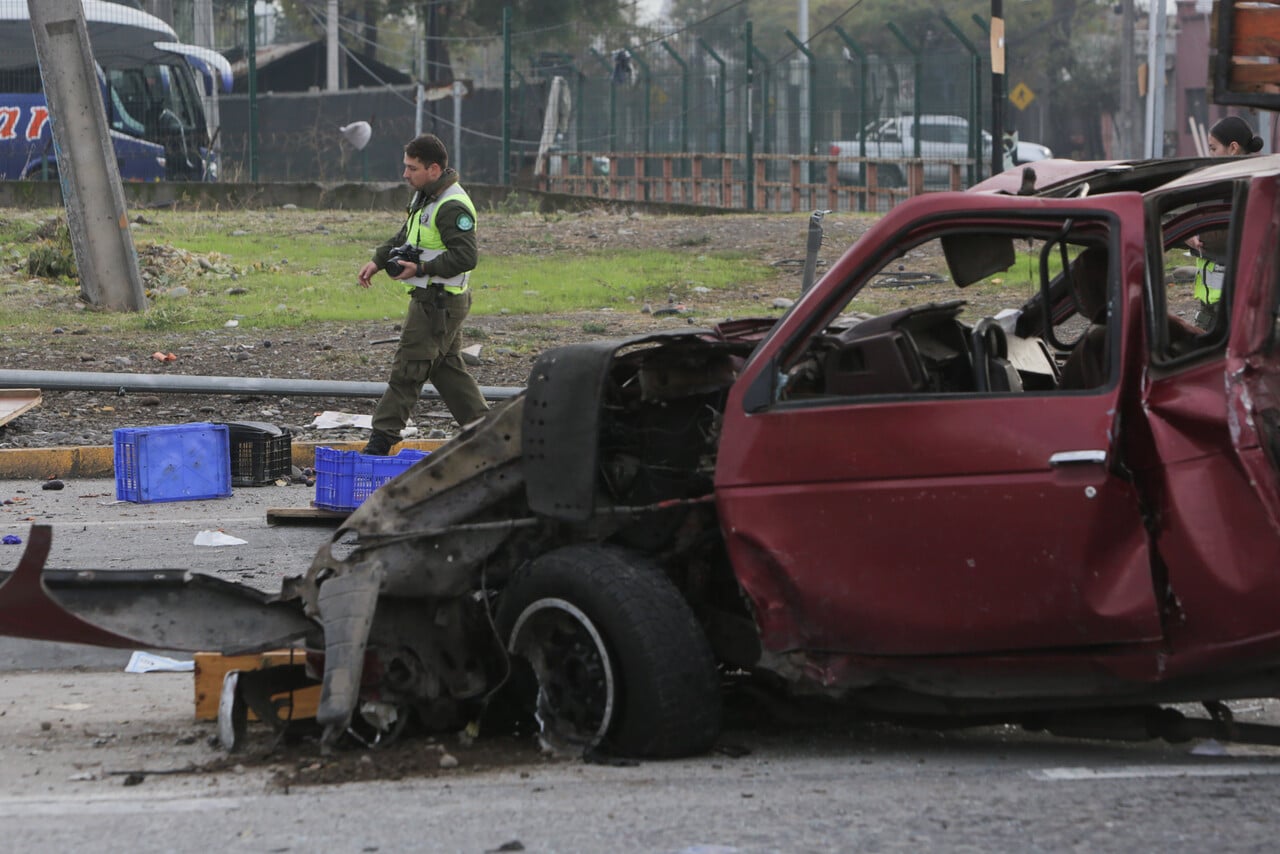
(620, 660)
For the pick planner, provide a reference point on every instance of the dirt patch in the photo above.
(411, 757)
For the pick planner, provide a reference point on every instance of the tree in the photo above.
(541, 22)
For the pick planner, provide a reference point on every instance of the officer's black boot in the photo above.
(379, 444)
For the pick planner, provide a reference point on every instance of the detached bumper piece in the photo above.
(141, 609)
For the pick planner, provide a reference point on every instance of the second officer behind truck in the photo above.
(434, 252)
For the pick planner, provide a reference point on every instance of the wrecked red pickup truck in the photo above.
(1063, 514)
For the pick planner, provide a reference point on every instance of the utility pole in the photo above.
(1128, 85)
(1157, 22)
(202, 21)
(91, 190)
(162, 9)
(203, 24)
(331, 46)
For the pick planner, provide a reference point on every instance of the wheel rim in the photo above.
(576, 685)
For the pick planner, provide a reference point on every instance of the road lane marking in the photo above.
(26, 806)
(1134, 772)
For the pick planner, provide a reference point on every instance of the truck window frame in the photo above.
(1173, 218)
(1092, 228)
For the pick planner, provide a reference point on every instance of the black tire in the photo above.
(621, 663)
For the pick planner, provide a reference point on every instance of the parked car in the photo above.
(944, 140)
(1062, 510)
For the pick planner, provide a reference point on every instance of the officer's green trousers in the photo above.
(430, 341)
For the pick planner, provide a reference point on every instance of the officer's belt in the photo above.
(422, 292)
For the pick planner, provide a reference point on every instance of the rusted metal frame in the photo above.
(532, 521)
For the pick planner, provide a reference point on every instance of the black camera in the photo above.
(404, 252)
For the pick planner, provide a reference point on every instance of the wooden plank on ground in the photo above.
(15, 401)
(304, 516)
(212, 667)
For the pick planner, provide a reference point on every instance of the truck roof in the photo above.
(1063, 178)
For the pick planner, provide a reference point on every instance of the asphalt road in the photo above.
(91, 530)
(69, 736)
(68, 742)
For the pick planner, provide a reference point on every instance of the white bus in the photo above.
(154, 88)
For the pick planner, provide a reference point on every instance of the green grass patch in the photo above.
(612, 279)
(293, 269)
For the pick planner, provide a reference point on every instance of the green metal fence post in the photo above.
(721, 91)
(766, 131)
(684, 100)
(580, 80)
(813, 97)
(862, 111)
(917, 71)
(252, 55)
(975, 118)
(648, 90)
(750, 200)
(613, 101)
(506, 96)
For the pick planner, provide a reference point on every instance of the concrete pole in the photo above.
(203, 23)
(1156, 24)
(1127, 120)
(203, 36)
(331, 45)
(1155, 74)
(162, 9)
(96, 213)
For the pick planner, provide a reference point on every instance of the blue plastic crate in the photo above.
(177, 462)
(344, 479)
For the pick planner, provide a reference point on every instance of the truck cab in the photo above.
(1033, 491)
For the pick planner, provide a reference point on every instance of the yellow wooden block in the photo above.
(212, 668)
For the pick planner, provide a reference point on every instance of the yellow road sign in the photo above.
(1021, 96)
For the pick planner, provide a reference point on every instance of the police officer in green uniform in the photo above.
(1229, 137)
(1210, 275)
(442, 224)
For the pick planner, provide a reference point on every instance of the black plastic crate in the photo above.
(261, 453)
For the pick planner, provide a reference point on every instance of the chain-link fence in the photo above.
(704, 108)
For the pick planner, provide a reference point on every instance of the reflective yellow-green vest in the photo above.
(428, 238)
(1209, 278)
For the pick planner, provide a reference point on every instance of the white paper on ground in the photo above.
(146, 662)
(217, 538)
(329, 419)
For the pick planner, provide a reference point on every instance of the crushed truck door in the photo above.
(1213, 407)
(923, 483)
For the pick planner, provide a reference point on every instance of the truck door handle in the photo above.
(1068, 458)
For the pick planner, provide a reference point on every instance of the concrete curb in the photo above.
(98, 462)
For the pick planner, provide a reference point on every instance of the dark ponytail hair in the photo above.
(1237, 130)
